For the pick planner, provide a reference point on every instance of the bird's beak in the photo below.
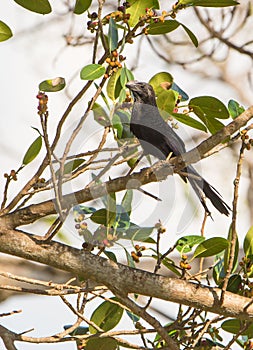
(131, 85)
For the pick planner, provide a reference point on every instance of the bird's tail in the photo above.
(204, 190)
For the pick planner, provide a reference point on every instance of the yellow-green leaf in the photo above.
(42, 7)
(5, 32)
(248, 242)
(163, 27)
(138, 8)
(210, 247)
(208, 3)
(105, 343)
(71, 166)
(81, 6)
(112, 35)
(92, 72)
(32, 151)
(52, 85)
(106, 316)
(234, 326)
(158, 81)
(114, 85)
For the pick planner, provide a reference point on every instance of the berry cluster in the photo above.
(184, 263)
(115, 60)
(42, 107)
(11, 176)
(93, 23)
(248, 142)
(246, 285)
(137, 254)
(160, 228)
(124, 6)
(41, 182)
(102, 237)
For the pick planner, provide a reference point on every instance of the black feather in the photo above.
(159, 139)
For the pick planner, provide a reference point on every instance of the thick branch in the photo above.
(123, 279)
(158, 172)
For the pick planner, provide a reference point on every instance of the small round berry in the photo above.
(121, 8)
(94, 15)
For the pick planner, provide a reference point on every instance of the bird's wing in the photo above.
(155, 135)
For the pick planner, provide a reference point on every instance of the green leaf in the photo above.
(191, 35)
(81, 6)
(130, 260)
(100, 115)
(163, 27)
(39, 6)
(138, 8)
(218, 270)
(210, 247)
(136, 233)
(187, 120)
(106, 316)
(208, 3)
(87, 236)
(92, 72)
(100, 217)
(125, 76)
(186, 243)
(32, 151)
(117, 125)
(114, 86)
(112, 35)
(122, 220)
(105, 343)
(235, 109)
(248, 243)
(169, 264)
(169, 26)
(161, 78)
(5, 32)
(52, 85)
(234, 326)
(208, 107)
(71, 166)
(111, 209)
(234, 283)
(103, 97)
(166, 101)
(127, 201)
(120, 121)
(110, 255)
(122, 94)
(214, 125)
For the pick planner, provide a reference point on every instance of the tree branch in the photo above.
(158, 172)
(123, 279)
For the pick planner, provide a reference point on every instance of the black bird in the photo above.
(157, 138)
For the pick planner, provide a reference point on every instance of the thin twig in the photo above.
(10, 313)
(150, 319)
(233, 224)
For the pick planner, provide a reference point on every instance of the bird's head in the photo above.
(142, 92)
